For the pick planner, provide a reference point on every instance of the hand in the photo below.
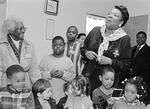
(53, 72)
(111, 100)
(91, 55)
(105, 60)
(56, 73)
(59, 74)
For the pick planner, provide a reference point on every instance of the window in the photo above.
(92, 21)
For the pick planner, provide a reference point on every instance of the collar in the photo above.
(141, 46)
(4, 40)
(115, 35)
(133, 103)
(12, 90)
(15, 42)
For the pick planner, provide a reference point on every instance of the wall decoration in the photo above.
(51, 7)
(49, 29)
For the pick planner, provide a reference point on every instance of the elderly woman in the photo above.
(107, 45)
(14, 49)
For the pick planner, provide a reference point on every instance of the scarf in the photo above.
(17, 52)
(117, 34)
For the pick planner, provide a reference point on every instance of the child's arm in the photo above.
(43, 66)
(30, 102)
(69, 74)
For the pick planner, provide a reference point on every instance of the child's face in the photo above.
(46, 94)
(71, 34)
(58, 47)
(107, 79)
(130, 92)
(81, 39)
(17, 81)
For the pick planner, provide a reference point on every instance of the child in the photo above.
(101, 95)
(16, 95)
(57, 68)
(77, 99)
(71, 35)
(75, 54)
(42, 95)
(63, 100)
(134, 92)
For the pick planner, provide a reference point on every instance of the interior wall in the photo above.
(70, 12)
(3, 4)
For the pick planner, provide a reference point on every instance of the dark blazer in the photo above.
(141, 62)
(51, 102)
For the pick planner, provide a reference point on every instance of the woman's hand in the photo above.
(91, 55)
(105, 60)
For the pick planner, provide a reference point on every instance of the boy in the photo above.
(42, 95)
(75, 55)
(57, 68)
(71, 35)
(16, 95)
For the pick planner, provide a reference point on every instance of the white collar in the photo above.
(15, 42)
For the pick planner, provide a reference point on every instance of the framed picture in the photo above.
(49, 29)
(51, 7)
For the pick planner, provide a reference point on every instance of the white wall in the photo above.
(70, 12)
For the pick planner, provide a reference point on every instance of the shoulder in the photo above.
(143, 106)
(125, 38)
(97, 90)
(4, 92)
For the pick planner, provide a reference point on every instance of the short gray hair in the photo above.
(10, 24)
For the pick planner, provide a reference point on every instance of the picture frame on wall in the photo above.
(49, 29)
(51, 7)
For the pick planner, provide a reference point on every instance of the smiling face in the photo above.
(17, 81)
(114, 19)
(140, 39)
(130, 92)
(107, 80)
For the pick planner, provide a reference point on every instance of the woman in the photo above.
(14, 49)
(107, 45)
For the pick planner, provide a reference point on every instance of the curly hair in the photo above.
(140, 85)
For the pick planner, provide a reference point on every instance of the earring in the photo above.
(120, 25)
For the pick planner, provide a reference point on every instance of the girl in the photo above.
(77, 99)
(134, 92)
(101, 95)
(42, 95)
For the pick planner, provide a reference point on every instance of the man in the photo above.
(14, 49)
(141, 58)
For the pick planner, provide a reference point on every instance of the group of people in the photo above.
(81, 73)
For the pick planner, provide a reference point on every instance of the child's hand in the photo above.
(59, 74)
(56, 73)
(53, 72)
(111, 100)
